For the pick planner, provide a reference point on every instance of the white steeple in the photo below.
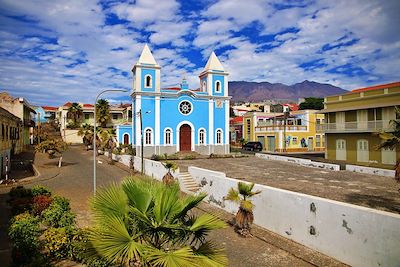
(213, 63)
(146, 57)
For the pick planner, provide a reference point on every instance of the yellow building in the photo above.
(354, 118)
(11, 141)
(298, 128)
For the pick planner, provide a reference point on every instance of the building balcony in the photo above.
(355, 127)
(29, 123)
(263, 127)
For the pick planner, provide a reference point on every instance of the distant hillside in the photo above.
(253, 91)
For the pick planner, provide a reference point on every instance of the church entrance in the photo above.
(185, 138)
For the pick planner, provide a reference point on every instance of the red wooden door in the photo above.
(126, 139)
(185, 138)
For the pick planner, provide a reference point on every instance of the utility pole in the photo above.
(285, 115)
(141, 145)
(38, 133)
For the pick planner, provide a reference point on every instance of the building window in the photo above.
(294, 140)
(147, 79)
(323, 140)
(87, 116)
(248, 124)
(219, 137)
(2, 131)
(185, 107)
(7, 132)
(202, 137)
(217, 86)
(148, 136)
(318, 121)
(167, 136)
(317, 140)
(115, 116)
(204, 86)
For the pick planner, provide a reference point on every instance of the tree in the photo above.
(145, 223)
(312, 103)
(168, 178)
(391, 140)
(86, 132)
(244, 216)
(103, 112)
(107, 142)
(75, 112)
(51, 146)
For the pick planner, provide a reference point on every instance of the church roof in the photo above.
(146, 57)
(213, 63)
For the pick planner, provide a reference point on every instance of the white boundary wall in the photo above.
(355, 235)
(370, 170)
(302, 162)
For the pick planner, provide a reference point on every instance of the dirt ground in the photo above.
(372, 191)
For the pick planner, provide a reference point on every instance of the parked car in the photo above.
(253, 146)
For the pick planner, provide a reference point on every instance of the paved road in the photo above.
(75, 182)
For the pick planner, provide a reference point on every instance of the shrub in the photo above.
(59, 214)
(24, 233)
(39, 190)
(20, 192)
(117, 151)
(40, 203)
(156, 157)
(58, 242)
(190, 156)
(20, 199)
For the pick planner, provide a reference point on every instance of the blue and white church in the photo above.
(178, 119)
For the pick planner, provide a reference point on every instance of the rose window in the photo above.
(185, 107)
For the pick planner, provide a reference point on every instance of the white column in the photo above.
(158, 82)
(211, 124)
(138, 106)
(209, 84)
(138, 80)
(157, 124)
(226, 85)
(226, 125)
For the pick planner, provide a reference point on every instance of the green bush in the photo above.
(58, 242)
(39, 190)
(20, 199)
(20, 192)
(24, 233)
(59, 214)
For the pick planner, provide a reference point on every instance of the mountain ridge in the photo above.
(258, 91)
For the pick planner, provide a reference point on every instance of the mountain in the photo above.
(253, 91)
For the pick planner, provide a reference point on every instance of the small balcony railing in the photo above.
(263, 127)
(355, 126)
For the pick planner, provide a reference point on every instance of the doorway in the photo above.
(271, 143)
(185, 138)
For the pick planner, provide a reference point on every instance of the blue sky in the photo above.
(57, 51)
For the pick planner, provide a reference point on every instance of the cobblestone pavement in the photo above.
(264, 249)
(360, 189)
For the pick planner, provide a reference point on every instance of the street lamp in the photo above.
(142, 143)
(95, 135)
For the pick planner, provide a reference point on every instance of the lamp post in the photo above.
(95, 135)
(141, 138)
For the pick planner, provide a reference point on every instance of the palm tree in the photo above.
(75, 112)
(86, 132)
(168, 178)
(244, 216)
(102, 112)
(145, 223)
(107, 142)
(391, 139)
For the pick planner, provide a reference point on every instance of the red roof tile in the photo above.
(49, 108)
(236, 120)
(172, 88)
(88, 105)
(376, 87)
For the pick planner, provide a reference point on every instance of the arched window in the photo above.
(218, 137)
(148, 136)
(204, 86)
(168, 136)
(217, 86)
(126, 139)
(147, 81)
(202, 137)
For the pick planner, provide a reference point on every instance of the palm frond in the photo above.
(189, 203)
(114, 242)
(233, 195)
(138, 196)
(245, 188)
(211, 255)
(207, 221)
(110, 202)
(176, 258)
(246, 205)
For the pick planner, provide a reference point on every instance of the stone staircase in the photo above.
(187, 181)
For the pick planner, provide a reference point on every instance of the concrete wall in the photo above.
(369, 170)
(71, 136)
(352, 234)
(302, 162)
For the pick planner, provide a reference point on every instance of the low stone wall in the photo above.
(355, 235)
(71, 136)
(370, 170)
(300, 161)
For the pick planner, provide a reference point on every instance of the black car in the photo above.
(253, 146)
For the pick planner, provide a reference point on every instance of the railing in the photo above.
(356, 126)
(262, 127)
